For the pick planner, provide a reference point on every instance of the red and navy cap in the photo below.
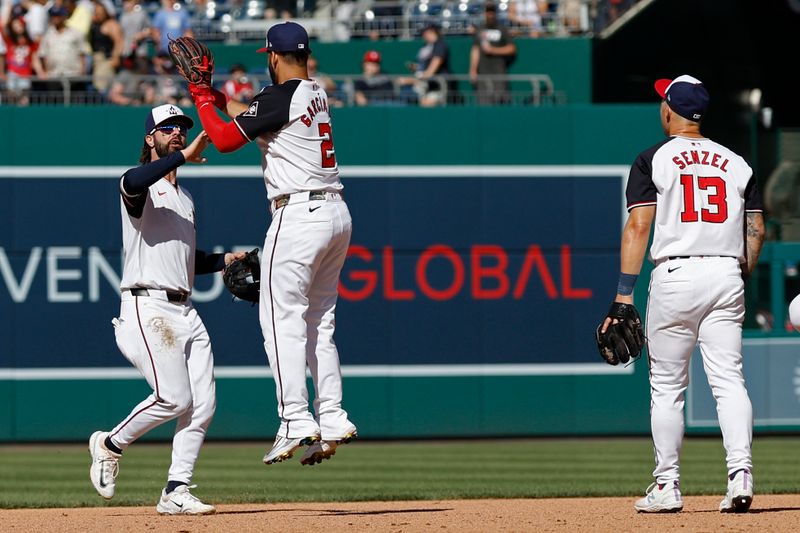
(685, 95)
(286, 37)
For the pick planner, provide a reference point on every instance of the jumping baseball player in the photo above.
(306, 244)
(709, 229)
(158, 329)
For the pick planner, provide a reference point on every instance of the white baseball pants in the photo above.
(697, 300)
(304, 251)
(168, 343)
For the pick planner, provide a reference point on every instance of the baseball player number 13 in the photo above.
(328, 153)
(689, 213)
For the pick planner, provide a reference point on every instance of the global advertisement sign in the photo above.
(451, 270)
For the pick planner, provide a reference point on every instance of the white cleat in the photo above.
(740, 493)
(284, 448)
(105, 465)
(664, 498)
(181, 501)
(325, 449)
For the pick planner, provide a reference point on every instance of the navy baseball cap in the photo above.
(58, 11)
(685, 95)
(286, 37)
(166, 113)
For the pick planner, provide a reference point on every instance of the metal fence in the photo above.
(456, 89)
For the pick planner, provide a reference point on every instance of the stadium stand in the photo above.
(229, 22)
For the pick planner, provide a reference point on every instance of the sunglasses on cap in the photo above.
(169, 128)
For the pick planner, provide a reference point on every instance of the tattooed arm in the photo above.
(754, 231)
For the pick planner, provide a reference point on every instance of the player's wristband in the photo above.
(626, 283)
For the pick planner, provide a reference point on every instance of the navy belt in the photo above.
(172, 296)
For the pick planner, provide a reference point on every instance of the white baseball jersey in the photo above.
(159, 245)
(165, 340)
(301, 157)
(304, 250)
(701, 190)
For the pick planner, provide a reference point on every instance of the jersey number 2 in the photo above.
(328, 154)
(717, 199)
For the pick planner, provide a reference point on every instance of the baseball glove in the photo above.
(193, 59)
(622, 341)
(242, 277)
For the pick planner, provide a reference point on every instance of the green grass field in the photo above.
(57, 475)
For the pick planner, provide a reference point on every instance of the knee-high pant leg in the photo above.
(321, 353)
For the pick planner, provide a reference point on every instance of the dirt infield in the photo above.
(769, 513)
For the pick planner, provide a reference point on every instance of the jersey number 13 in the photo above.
(716, 199)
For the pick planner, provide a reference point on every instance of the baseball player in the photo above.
(306, 244)
(709, 229)
(158, 329)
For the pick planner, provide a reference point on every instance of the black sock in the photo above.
(110, 446)
(172, 485)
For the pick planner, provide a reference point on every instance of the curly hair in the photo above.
(145, 156)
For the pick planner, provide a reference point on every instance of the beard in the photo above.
(163, 149)
(272, 74)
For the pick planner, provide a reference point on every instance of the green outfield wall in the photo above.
(565, 135)
(568, 62)
(525, 175)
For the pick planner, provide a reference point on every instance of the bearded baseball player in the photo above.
(709, 229)
(158, 329)
(306, 244)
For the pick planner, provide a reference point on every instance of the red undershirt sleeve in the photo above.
(226, 136)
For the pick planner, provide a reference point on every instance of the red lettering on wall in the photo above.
(567, 291)
(534, 257)
(368, 277)
(496, 271)
(389, 291)
(446, 252)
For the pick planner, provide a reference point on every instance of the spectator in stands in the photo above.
(135, 25)
(129, 87)
(168, 90)
(569, 11)
(334, 98)
(172, 20)
(239, 87)
(433, 59)
(36, 18)
(492, 52)
(526, 16)
(62, 54)
(550, 20)
(3, 51)
(105, 38)
(79, 16)
(374, 86)
(20, 51)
